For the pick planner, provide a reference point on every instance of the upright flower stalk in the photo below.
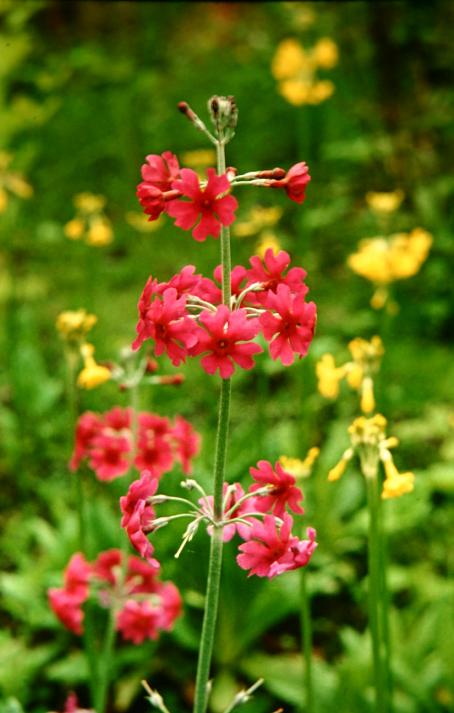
(218, 319)
(220, 457)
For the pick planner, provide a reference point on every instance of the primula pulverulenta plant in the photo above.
(218, 318)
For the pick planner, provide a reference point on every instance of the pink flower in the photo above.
(119, 419)
(187, 442)
(138, 621)
(270, 272)
(155, 189)
(154, 452)
(267, 551)
(88, 426)
(224, 339)
(304, 549)
(171, 605)
(109, 456)
(295, 182)
(67, 608)
(292, 328)
(67, 602)
(150, 289)
(138, 515)
(161, 171)
(209, 207)
(237, 279)
(283, 490)
(167, 323)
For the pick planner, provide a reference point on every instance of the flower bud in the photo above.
(223, 112)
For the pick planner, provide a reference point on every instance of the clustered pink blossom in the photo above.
(106, 441)
(185, 317)
(144, 605)
(165, 188)
(269, 548)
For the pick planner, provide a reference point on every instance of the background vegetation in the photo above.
(87, 89)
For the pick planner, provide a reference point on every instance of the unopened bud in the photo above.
(224, 112)
(276, 173)
(171, 380)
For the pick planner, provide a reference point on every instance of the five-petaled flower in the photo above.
(225, 340)
(207, 209)
(292, 327)
(282, 489)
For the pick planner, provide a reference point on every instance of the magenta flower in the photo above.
(109, 456)
(292, 328)
(282, 489)
(226, 339)
(161, 171)
(66, 602)
(167, 323)
(150, 289)
(270, 272)
(294, 182)
(138, 515)
(138, 621)
(267, 551)
(88, 426)
(207, 209)
(271, 549)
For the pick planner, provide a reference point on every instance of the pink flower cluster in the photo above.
(105, 440)
(144, 604)
(208, 206)
(265, 525)
(184, 316)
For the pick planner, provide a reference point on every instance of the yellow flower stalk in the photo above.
(340, 467)
(358, 372)
(329, 376)
(295, 70)
(90, 222)
(93, 374)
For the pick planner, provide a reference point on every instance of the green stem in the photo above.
(375, 595)
(306, 636)
(215, 561)
(384, 601)
(105, 665)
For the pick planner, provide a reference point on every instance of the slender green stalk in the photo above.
(105, 665)
(306, 637)
(375, 596)
(384, 602)
(215, 562)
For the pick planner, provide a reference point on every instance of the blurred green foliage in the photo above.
(87, 89)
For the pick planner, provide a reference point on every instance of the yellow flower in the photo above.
(294, 68)
(289, 60)
(75, 324)
(367, 395)
(99, 232)
(3, 200)
(74, 229)
(300, 468)
(89, 202)
(90, 221)
(339, 469)
(325, 53)
(329, 376)
(93, 374)
(385, 203)
(267, 240)
(395, 483)
(383, 260)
